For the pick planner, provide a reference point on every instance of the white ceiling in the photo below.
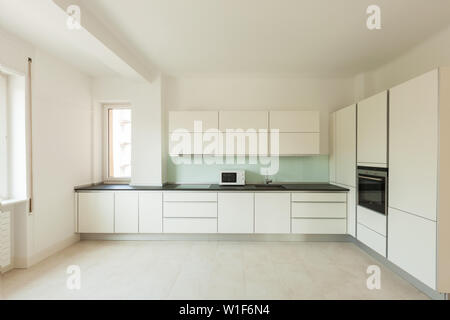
(318, 37)
(309, 37)
(43, 23)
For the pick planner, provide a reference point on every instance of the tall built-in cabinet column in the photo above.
(343, 158)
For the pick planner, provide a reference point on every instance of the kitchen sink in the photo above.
(270, 186)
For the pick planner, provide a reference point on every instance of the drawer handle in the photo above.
(371, 178)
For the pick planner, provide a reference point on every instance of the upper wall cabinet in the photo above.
(295, 121)
(372, 131)
(345, 146)
(185, 120)
(245, 120)
(299, 132)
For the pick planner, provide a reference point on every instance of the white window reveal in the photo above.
(118, 125)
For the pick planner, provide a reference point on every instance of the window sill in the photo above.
(11, 202)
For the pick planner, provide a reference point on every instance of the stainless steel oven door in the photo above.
(372, 189)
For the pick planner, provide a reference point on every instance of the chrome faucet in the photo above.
(267, 180)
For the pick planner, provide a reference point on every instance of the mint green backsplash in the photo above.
(291, 169)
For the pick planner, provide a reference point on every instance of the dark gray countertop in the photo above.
(215, 187)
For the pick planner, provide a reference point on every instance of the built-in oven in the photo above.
(373, 189)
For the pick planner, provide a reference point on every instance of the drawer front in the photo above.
(319, 197)
(319, 210)
(373, 220)
(189, 225)
(190, 196)
(190, 209)
(319, 226)
(372, 239)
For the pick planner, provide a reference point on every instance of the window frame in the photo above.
(107, 178)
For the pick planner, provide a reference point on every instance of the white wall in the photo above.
(424, 57)
(145, 100)
(260, 92)
(62, 132)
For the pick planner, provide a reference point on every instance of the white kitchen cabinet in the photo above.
(126, 212)
(298, 133)
(413, 146)
(197, 143)
(182, 196)
(190, 209)
(184, 120)
(244, 120)
(319, 226)
(150, 212)
(291, 144)
(190, 212)
(190, 225)
(373, 220)
(295, 121)
(419, 178)
(96, 212)
(345, 152)
(372, 239)
(351, 211)
(412, 245)
(242, 144)
(272, 212)
(319, 210)
(372, 131)
(235, 212)
(319, 196)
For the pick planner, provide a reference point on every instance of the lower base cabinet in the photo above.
(190, 225)
(235, 212)
(319, 226)
(150, 212)
(212, 212)
(272, 212)
(412, 245)
(96, 212)
(126, 212)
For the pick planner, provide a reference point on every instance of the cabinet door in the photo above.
(235, 212)
(295, 121)
(150, 212)
(372, 131)
(412, 245)
(291, 144)
(126, 212)
(272, 212)
(96, 212)
(413, 146)
(244, 120)
(351, 211)
(346, 146)
(238, 143)
(185, 120)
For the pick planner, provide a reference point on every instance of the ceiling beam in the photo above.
(103, 34)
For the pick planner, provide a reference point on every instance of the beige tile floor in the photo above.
(207, 270)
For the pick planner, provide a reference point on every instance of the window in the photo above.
(13, 164)
(118, 142)
(3, 139)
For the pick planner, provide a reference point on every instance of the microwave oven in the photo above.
(232, 177)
